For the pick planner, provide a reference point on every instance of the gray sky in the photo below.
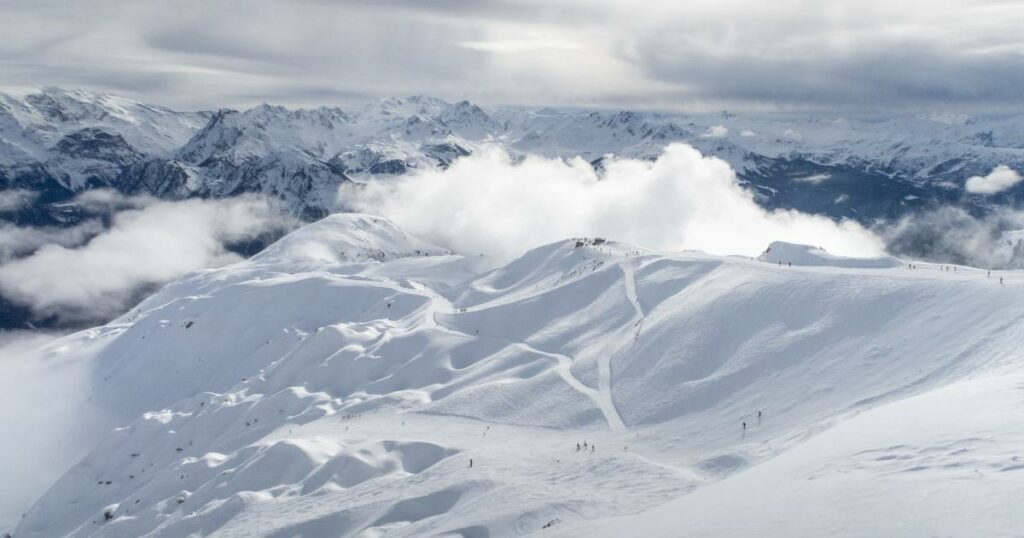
(681, 54)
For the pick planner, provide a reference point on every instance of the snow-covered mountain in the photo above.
(77, 139)
(353, 380)
(59, 142)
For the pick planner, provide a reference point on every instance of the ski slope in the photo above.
(353, 380)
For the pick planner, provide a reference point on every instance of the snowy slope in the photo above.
(944, 463)
(341, 383)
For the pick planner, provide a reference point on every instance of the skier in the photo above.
(470, 463)
(593, 448)
(1000, 281)
(744, 426)
(577, 447)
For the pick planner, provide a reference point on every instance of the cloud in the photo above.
(815, 179)
(149, 243)
(18, 241)
(950, 234)
(999, 179)
(716, 131)
(42, 416)
(657, 54)
(487, 203)
(513, 46)
(14, 200)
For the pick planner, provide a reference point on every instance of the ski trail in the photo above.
(601, 397)
(630, 280)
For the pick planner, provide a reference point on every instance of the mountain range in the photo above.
(55, 143)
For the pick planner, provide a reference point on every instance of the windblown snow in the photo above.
(353, 380)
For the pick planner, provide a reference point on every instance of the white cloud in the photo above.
(42, 417)
(815, 179)
(792, 135)
(17, 241)
(150, 245)
(999, 179)
(486, 203)
(512, 46)
(716, 131)
(698, 54)
(12, 200)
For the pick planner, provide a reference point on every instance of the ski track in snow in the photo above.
(629, 278)
(602, 397)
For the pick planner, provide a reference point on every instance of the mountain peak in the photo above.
(346, 237)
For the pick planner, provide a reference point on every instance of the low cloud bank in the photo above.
(950, 234)
(39, 425)
(12, 200)
(147, 243)
(999, 179)
(18, 241)
(490, 203)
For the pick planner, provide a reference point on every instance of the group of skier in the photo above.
(584, 447)
(953, 268)
(759, 415)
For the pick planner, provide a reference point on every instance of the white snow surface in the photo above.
(342, 382)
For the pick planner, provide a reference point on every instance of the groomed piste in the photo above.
(353, 380)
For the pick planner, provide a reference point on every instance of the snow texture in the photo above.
(355, 381)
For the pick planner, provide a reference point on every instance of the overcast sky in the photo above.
(681, 54)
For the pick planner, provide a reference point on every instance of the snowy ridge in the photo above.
(344, 237)
(343, 382)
